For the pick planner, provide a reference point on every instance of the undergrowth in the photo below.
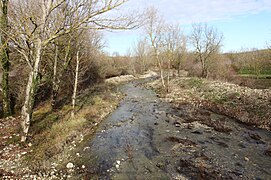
(53, 132)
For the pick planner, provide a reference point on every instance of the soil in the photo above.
(148, 138)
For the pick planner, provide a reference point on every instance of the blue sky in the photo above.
(245, 24)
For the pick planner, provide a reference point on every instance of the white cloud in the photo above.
(189, 11)
(186, 12)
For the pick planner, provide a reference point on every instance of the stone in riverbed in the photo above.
(69, 165)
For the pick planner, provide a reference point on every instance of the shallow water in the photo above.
(146, 138)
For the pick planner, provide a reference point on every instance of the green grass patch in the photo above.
(248, 72)
(254, 76)
(195, 82)
(221, 100)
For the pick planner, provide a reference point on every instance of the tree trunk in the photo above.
(162, 74)
(75, 84)
(204, 69)
(32, 84)
(204, 72)
(55, 79)
(58, 75)
(161, 69)
(168, 74)
(179, 69)
(143, 68)
(179, 64)
(5, 59)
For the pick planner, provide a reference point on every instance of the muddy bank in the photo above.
(146, 138)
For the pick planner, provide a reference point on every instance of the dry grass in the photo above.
(250, 106)
(55, 133)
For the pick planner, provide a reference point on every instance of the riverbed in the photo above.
(148, 138)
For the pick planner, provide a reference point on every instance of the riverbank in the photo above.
(249, 106)
(54, 135)
(150, 137)
(182, 134)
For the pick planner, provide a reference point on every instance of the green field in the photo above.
(254, 76)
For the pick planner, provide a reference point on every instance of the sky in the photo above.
(245, 24)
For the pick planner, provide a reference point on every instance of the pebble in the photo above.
(85, 148)
(118, 162)
(246, 159)
(70, 166)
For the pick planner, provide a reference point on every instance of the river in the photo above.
(147, 138)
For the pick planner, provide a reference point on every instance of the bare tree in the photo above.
(87, 43)
(181, 53)
(75, 82)
(34, 26)
(174, 48)
(155, 27)
(61, 63)
(207, 42)
(5, 57)
(141, 51)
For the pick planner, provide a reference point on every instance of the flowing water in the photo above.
(146, 138)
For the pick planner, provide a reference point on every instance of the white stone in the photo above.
(70, 165)
(83, 166)
(118, 162)
(117, 166)
(85, 148)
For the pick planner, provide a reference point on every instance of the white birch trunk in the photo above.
(75, 84)
(168, 71)
(31, 88)
(55, 83)
(32, 84)
(161, 70)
